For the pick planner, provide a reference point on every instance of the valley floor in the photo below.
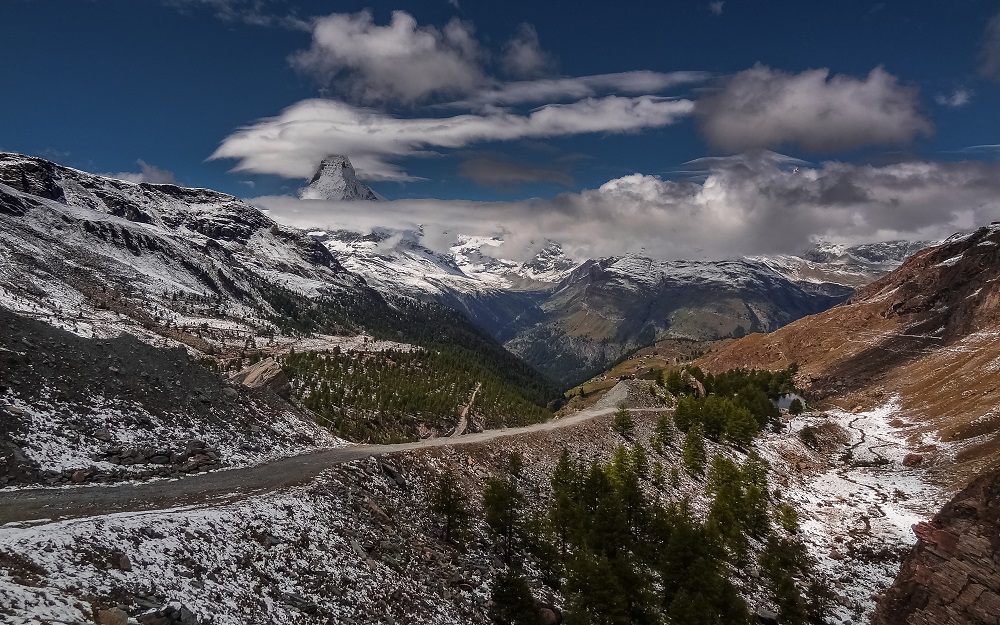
(858, 501)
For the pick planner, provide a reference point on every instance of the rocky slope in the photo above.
(76, 410)
(359, 544)
(952, 575)
(927, 333)
(97, 256)
(604, 309)
(572, 320)
(205, 271)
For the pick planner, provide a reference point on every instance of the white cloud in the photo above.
(523, 56)
(752, 205)
(293, 143)
(957, 99)
(398, 62)
(715, 7)
(147, 173)
(574, 88)
(762, 107)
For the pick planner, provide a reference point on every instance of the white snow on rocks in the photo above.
(336, 551)
(53, 438)
(857, 509)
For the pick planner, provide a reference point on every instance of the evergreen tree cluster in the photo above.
(431, 326)
(384, 396)
(620, 557)
(735, 406)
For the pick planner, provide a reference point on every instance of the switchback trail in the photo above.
(233, 484)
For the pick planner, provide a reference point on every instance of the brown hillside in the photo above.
(928, 332)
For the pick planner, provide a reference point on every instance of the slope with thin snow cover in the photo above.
(82, 410)
(97, 255)
(926, 332)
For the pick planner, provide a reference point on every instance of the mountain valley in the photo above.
(210, 417)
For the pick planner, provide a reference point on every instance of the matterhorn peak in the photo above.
(336, 180)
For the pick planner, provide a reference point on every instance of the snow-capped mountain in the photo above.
(336, 180)
(397, 261)
(97, 255)
(570, 319)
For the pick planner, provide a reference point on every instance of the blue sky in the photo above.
(101, 84)
(429, 101)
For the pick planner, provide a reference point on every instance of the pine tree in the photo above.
(564, 512)
(693, 452)
(512, 603)
(448, 501)
(664, 432)
(725, 515)
(741, 427)
(623, 423)
(594, 594)
(503, 504)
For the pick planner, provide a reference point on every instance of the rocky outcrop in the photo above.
(264, 374)
(952, 575)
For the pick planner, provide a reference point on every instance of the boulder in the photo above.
(266, 374)
(912, 460)
(112, 616)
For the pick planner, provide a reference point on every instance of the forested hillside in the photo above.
(397, 396)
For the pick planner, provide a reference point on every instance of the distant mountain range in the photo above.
(571, 319)
(196, 267)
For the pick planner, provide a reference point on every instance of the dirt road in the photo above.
(42, 504)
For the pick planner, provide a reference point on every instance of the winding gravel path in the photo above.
(49, 504)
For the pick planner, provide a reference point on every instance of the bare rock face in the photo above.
(265, 374)
(952, 576)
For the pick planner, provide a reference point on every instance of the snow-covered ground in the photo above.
(60, 441)
(857, 503)
(336, 551)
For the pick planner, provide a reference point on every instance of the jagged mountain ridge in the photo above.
(98, 255)
(224, 259)
(571, 320)
(203, 270)
(336, 180)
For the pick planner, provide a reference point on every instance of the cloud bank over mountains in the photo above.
(759, 203)
(401, 90)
